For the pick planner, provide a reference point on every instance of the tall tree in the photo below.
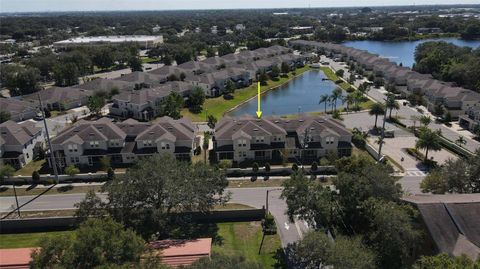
(158, 194)
(172, 105)
(135, 64)
(428, 140)
(196, 100)
(65, 74)
(391, 104)
(97, 242)
(336, 94)
(324, 98)
(95, 104)
(317, 250)
(376, 109)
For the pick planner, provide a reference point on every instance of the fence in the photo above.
(65, 223)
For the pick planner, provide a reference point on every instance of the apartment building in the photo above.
(86, 142)
(18, 110)
(20, 143)
(471, 119)
(453, 100)
(144, 104)
(60, 98)
(306, 138)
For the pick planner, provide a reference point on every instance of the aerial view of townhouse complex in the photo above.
(225, 137)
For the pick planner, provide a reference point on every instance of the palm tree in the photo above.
(376, 109)
(461, 141)
(349, 99)
(364, 88)
(425, 120)
(357, 97)
(324, 98)
(428, 140)
(336, 94)
(392, 104)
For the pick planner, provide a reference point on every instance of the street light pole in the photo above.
(383, 133)
(52, 158)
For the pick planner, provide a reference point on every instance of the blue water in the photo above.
(299, 95)
(403, 51)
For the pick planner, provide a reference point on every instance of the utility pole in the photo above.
(383, 133)
(52, 158)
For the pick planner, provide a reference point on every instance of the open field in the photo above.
(219, 106)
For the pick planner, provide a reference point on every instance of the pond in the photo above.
(403, 51)
(299, 95)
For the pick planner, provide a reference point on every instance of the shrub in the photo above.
(350, 89)
(225, 164)
(255, 167)
(110, 173)
(314, 166)
(268, 224)
(324, 161)
(295, 167)
(35, 177)
(267, 167)
(71, 170)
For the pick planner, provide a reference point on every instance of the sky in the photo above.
(102, 5)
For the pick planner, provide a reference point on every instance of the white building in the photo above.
(143, 41)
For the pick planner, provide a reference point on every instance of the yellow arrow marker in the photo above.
(259, 111)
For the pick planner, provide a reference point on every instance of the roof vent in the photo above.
(277, 121)
(255, 129)
(169, 127)
(151, 133)
(90, 134)
(300, 120)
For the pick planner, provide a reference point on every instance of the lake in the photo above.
(299, 95)
(403, 51)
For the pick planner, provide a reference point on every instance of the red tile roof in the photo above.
(17, 258)
(183, 252)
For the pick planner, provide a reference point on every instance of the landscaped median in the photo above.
(219, 106)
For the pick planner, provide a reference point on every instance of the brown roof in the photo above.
(15, 106)
(16, 258)
(18, 133)
(182, 252)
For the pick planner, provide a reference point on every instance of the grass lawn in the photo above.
(243, 238)
(32, 166)
(333, 77)
(219, 106)
(25, 240)
(146, 60)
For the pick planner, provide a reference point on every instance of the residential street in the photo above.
(255, 197)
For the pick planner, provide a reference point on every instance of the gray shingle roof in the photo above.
(18, 134)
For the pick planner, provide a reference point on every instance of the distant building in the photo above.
(434, 30)
(20, 142)
(143, 41)
(471, 118)
(240, 27)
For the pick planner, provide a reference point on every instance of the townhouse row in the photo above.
(138, 94)
(437, 94)
(303, 139)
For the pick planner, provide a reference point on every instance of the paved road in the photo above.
(406, 112)
(255, 197)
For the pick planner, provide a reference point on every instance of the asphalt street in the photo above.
(256, 197)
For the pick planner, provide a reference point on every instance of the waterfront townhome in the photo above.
(87, 142)
(144, 104)
(20, 143)
(196, 68)
(18, 110)
(213, 83)
(168, 72)
(60, 98)
(471, 119)
(306, 138)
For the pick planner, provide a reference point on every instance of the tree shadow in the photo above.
(3, 189)
(31, 187)
(65, 188)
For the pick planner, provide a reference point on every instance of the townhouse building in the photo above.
(453, 100)
(86, 142)
(471, 119)
(20, 143)
(59, 98)
(18, 110)
(144, 104)
(306, 138)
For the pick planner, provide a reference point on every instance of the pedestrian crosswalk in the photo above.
(415, 173)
